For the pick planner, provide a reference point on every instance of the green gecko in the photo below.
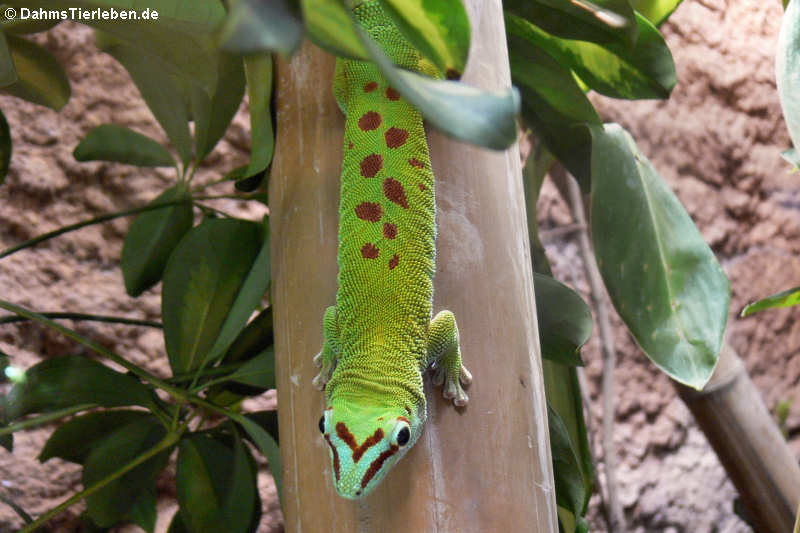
(379, 337)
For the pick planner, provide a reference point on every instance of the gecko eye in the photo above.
(322, 424)
(402, 436)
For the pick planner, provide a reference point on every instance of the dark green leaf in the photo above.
(110, 142)
(178, 525)
(656, 11)
(258, 70)
(151, 239)
(7, 441)
(570, 490)
(268, 446)
(254, 338)
(565, 321)
(216, 485)
(209, 272)
(255, 26)
(268, 420)
(252, 183)
(484, 118)
(5, 148)
(73, 440)
(787, 65)
(439, 30)
(645, 70)
(212, 116)
(41, 79)
(257, 373)
(553, 104)
(114, 501)
(143, 513)
(72, 380)
(328, 25)
(8, 74)
(781, 299)
(533, 173)
(576, 20)
(20, 26)
(663, 279)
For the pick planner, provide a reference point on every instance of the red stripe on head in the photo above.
(372, 440)
(377, 464)
(335, 457)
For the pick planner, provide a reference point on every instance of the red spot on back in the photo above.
(395, 137)
(371, 165)
(395, 192)
(414, 162)
(369, 251)
(394, 261)
(371, 86)
(369, 121)
(350, 146)
(422, 187)
(391, 94)
(335, 457)
(389, 230)
(369, 211)
(373, 439)
(377, 464)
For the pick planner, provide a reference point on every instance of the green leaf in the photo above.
(254, 26)
(41, 79)
(268, 421)
(782, 299)
(438, 29)
(787, 66)
(258, 373)
(216, 485)
(20, 26)
(656, 11)
(144, 513)
(576, 20)
(110, 142)
(72, 380)
(645, 70)
(212, 116)
(8, 74)
(209, 272)
(255, 338)
(553, 104)
(565, 321)
(162, 92)
(5, 148)
(268, 446)
(484, 118)
(663, 279)
(328, 25)
(570, 489)
(151, 239)
(73, 440)
(114, 501)
(178, 525)
(533, 173)
(258, 70)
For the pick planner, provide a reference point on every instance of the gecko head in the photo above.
(365, 443)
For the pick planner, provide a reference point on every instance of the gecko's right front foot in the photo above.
(326, 366)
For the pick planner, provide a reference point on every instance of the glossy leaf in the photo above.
(151, 239)
(8, 74)
(663, 279)
(208, 282)
(162, 92)
(40, 79)
(258, 70)
(645, 70)
(254, 26)
(553, 104)
(268, 446)
(484, 118)
(570, 489)
(565, 321)
(216, 485)
(439, 30)
(257, 336)
(73, 380)
(5, 148)
(114, 501)
(75, 439)
(328, 25)
(110, 142)
(787, 70)
(576, 20)
(782, 299)
(212, 115)
(656, 11)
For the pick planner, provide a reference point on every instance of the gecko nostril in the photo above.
(358, 493)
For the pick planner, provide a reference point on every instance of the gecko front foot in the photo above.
(444, 356)
(452, 382)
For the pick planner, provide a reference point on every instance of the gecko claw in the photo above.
(452, 384)
(318, 360)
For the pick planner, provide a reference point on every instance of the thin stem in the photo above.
(83, 224)
(82, 316)
(165, 443)
(17, 509)
(44, 419)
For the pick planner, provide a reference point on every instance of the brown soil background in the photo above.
(716, 141)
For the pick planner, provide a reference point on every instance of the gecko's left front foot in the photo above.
(444, 356)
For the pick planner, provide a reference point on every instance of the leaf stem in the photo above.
(83, 224)
(169, 440)
(82, 316)
(44, 419)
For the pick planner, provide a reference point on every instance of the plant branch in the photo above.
(82, 316)
(44, 419)
(83, 224)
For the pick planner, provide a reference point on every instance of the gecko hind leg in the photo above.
(326, 359)
(444, 358)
